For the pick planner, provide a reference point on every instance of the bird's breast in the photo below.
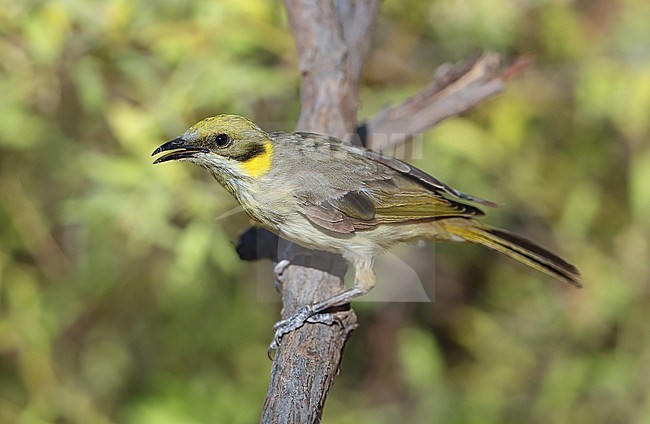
(268, 207)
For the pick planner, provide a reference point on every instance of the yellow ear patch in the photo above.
(261, 164)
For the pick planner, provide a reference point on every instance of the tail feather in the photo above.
(518, 248)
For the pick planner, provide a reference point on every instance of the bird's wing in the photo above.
(422, 177)
(362, 210)
(351, 189)
(347, 214)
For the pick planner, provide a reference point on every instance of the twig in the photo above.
(454, 90)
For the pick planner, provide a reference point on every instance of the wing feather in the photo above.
(423, 178)
(351, 189)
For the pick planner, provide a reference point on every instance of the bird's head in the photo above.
(228, 144)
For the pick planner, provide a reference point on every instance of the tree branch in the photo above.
(308, 358)
(454, 90)
(327, 94)
(357, 19)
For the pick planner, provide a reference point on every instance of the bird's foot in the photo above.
(305, 314)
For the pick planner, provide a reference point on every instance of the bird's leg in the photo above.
(364, 281)
(278, 273)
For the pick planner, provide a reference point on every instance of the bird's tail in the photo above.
(517, 247)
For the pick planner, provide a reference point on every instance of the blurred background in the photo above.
(122, 299)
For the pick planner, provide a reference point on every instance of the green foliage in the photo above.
(122, 300)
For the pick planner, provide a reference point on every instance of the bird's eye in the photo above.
(222, 140)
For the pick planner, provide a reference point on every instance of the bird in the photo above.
(324, 194)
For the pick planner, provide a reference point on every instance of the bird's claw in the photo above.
(327, 319)
(298, 319)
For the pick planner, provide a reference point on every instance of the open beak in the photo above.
(180, 150)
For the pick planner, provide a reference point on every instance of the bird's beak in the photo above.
(181, 150)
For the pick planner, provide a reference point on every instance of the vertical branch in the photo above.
(357, 19)
(308, 358)
(328, 94)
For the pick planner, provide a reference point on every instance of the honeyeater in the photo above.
(321, 193)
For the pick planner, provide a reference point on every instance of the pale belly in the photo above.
(364, 243)
(281, 218)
